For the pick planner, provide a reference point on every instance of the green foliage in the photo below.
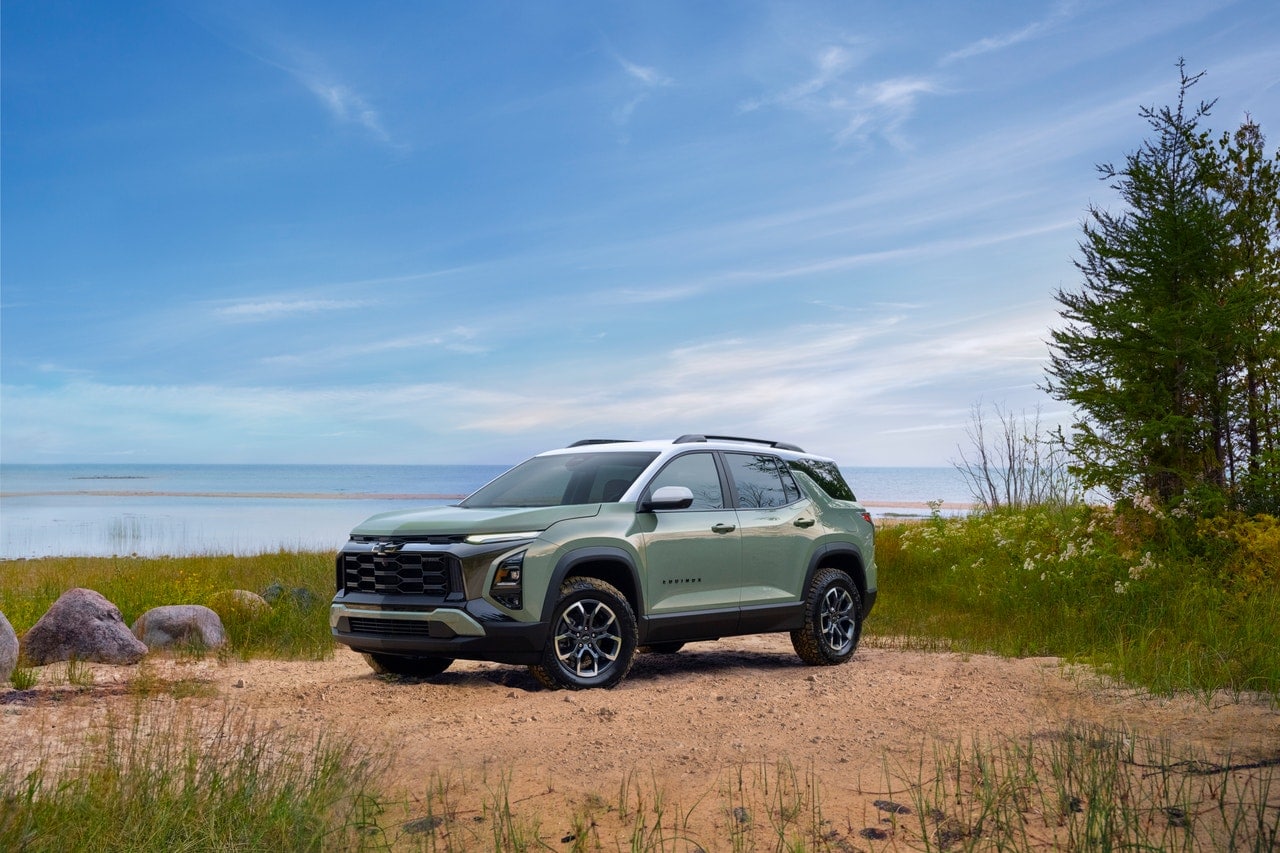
(1171, 349)
(294, 626)
(1166, 600)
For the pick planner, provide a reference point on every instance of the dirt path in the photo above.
(688, 728)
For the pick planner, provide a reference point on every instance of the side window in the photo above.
(758, 481)
(697, 472)
(827, 475)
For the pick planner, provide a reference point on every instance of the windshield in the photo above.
(563, 479)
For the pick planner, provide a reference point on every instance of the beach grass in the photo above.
(212, 781)
(295, 626)
(160, 781)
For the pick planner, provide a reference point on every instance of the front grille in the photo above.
(398, 627)
(398, 573)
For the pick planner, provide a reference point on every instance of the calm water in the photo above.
(154, 510)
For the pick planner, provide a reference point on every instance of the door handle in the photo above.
(804, 522)
(723, 528)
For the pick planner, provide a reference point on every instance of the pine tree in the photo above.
(1152, 334)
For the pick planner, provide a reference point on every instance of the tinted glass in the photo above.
(696, 472)
(826, 475)
(757, 481)
(571, 478)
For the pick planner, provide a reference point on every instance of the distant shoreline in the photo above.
(359, 496)
(329, 496)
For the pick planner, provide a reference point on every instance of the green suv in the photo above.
(575, 560)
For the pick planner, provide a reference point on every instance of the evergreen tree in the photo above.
(1156, 351)
(1248, 184)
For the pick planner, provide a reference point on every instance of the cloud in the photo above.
(272, 309)
(991, 44)
(857, 109)
(344, 104)
(646, 78)
(831, 62)
(270, 40)
(834, 385)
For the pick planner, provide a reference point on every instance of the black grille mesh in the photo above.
(399, 627)
(398, 573)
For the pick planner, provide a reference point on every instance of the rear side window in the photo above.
(827, 475)
(760, 482)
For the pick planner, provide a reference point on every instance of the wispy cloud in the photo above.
(272, 309)
(456, 340)
(273, 44)
(991, 44)
(857, 109)
(343, 103)
(645, 80)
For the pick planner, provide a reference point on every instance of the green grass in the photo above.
(1089, 788)
(1169, 603)
(194, 782)
(135, 585)
(1161, 602)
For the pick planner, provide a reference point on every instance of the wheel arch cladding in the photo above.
(611, 565)
(846, 559)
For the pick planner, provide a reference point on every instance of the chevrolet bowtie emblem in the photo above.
(384, 548)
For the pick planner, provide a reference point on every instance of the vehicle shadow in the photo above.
(695, 660)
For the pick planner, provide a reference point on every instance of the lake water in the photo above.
(154, 510)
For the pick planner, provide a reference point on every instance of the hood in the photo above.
(446, 520)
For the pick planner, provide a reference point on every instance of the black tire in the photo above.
(410, 666)
(593, 637)
(832, 620)
(661, 648)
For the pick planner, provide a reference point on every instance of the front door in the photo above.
(693, 557)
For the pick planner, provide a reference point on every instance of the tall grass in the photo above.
(1169, 603)
(295, 627)
(1089, 788)
(199, 782)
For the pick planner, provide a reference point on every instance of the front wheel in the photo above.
(404, 665)
(832, 620)
(593, 637)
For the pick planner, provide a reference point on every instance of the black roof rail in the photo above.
(695, 438)
(586, 441)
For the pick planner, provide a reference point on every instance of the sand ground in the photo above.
(684, 732)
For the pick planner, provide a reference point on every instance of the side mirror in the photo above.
(668, 497)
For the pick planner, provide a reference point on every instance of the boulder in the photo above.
(238, 605)
(180, 625)
(81, 625)
(303, 598)
(8, 649)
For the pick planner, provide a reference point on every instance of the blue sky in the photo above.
(465, 232)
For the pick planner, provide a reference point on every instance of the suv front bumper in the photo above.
(476, 630)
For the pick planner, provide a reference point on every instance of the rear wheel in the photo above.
(415, 667)
(593, 637)
(832, 620)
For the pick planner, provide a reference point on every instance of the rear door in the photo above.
(777, 522)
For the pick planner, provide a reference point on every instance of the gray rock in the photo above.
(180, 625)
(302, 598)
(238, 605)
(82, 625)
(8, 649)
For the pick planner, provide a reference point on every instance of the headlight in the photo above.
(491, 538)
(508, 587)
